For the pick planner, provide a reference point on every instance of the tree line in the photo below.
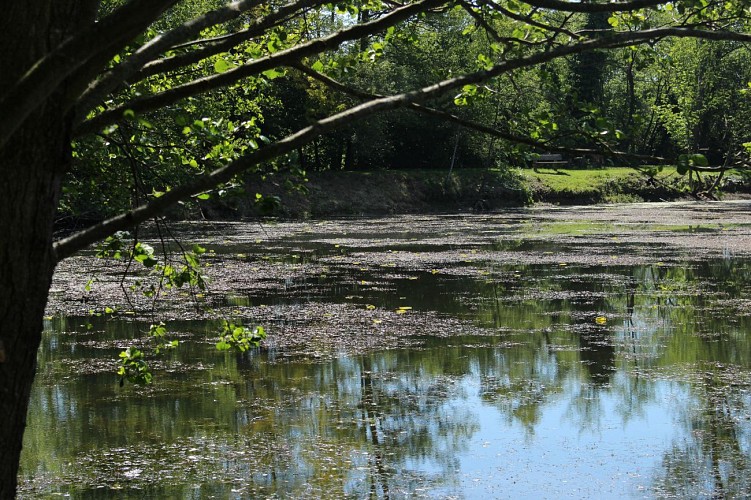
(635, 104)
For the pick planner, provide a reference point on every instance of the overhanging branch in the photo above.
(528, 20)
(256, 67)
(294, 54)
(227, 42)
(68, 246)
(111, 80)
(46, 76)
(473, 125)
(565, 6)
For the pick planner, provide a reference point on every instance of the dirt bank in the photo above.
(394, 192)
(341, 193)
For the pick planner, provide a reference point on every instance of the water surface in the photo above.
(587, 353)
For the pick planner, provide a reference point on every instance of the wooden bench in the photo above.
(549, 161)
(552, 161)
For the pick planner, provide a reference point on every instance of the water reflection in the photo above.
(570, 381)
(715, 464)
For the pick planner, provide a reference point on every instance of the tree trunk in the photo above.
(27, 206)
(631, 100)
(31, 168)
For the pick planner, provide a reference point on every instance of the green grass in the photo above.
(607, 228)
(581, 181)
(598, 180)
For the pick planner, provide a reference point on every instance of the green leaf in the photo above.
(238, 337)
(220, 66)
(272, 74)
(133, 367)
(145, 123)
(484, 62)
(144, 254)
(159, 330)
(699, 160)
(317, 66)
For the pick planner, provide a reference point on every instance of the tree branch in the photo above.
(292, 55)
(68, 246)
(565, 6)
(256, 67)
(528, 20)
(114, 78)
(469, 9)
(473, 125)
(47, 75)
(226, 43)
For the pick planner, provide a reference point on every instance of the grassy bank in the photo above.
(623, 185)
(422, 191)
(605, 185)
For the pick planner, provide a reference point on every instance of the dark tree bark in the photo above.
(31, 168)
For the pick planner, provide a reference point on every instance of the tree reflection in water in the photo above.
(533, 370)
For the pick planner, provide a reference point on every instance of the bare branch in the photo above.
(46, 76)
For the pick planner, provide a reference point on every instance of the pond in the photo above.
(585, 352)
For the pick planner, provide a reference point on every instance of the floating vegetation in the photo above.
(597, 351)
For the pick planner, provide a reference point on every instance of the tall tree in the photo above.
(68, 65)
(588, 68)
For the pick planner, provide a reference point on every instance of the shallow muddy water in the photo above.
(586, 352)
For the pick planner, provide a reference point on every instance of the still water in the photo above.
(502, 356)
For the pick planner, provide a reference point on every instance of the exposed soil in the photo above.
(354, 193)
(345, 193)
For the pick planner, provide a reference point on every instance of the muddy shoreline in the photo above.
(380, 193)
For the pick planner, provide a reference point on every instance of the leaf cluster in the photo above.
(239, 337)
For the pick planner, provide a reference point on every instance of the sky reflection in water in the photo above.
(595, 382)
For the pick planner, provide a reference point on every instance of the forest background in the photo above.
(674, 101)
